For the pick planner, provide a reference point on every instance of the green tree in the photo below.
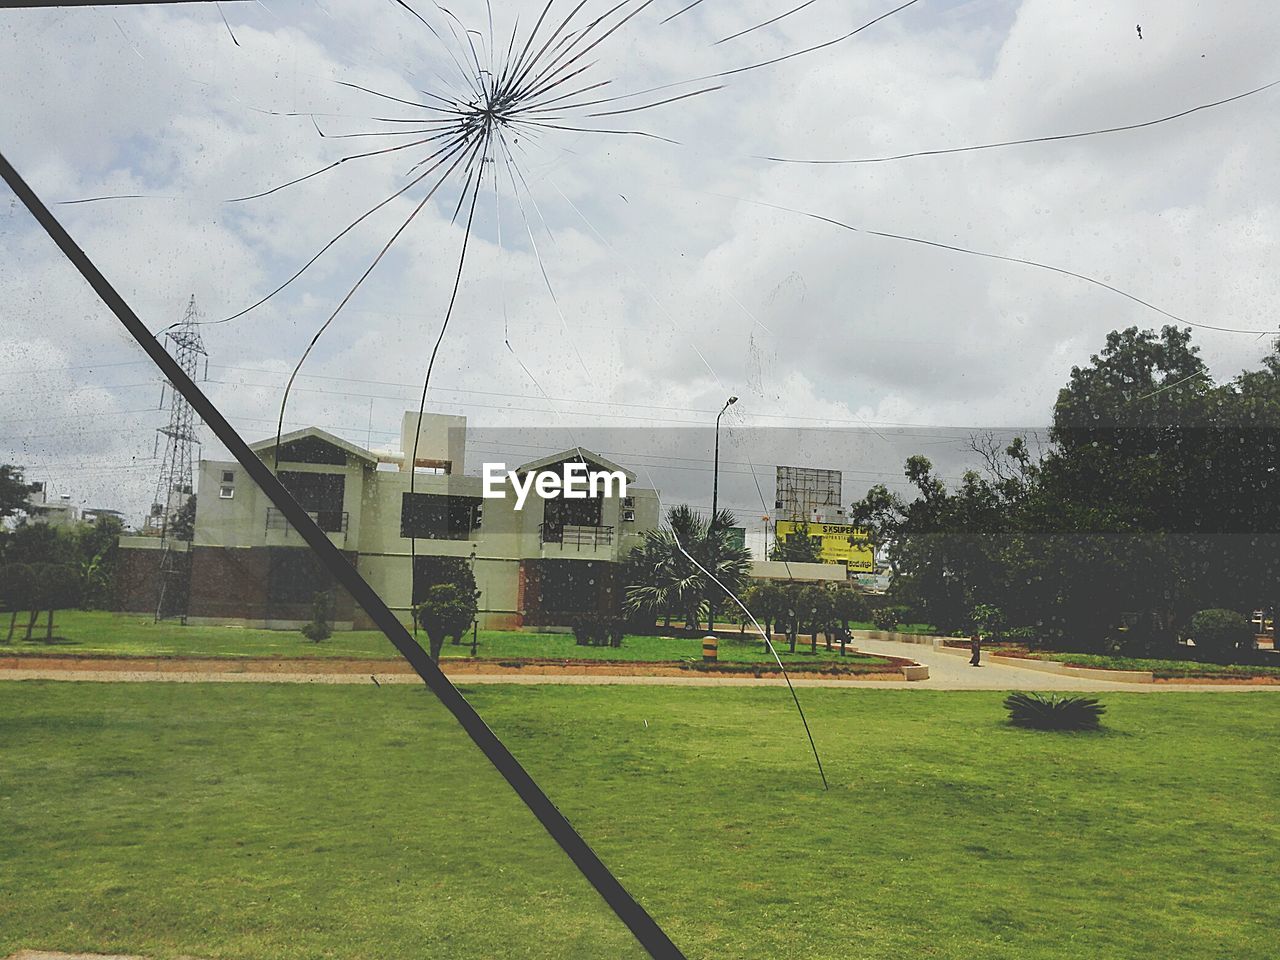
(685, 566)
(817, 612)
(54, 586)
(1157, 496)
(797, 547)
(40, 543)
(988, 621)
(447, 610)
(97, 549)
(14, 491)
(183, 524)
(767, 602)
(15, 592)
(849, 605)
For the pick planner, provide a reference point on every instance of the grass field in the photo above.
(96, 632)
(1166, 668)
(282, 821)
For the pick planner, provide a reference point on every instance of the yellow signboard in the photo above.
(838, 543)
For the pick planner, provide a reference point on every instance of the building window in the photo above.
(226, 492)
(320, 494)
(228, 476)
(435, 516)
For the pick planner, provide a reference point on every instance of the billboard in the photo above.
(839, 543)
(803, 493)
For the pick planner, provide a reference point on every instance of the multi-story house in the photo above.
(534, 566)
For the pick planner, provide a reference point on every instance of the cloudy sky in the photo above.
(676, 274)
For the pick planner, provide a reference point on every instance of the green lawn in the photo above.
(1165, 668)
(97, 632)
(251, 821)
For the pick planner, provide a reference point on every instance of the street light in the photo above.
(715, 474)
(715, 496)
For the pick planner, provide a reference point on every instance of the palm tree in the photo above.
(675, 566)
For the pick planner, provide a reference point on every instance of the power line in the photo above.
(575, 401)
(492, 393)
(1028, 140)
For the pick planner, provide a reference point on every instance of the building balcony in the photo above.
(571, 535)
(332, 522)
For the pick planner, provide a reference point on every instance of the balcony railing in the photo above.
(570, 535)
(330, 521)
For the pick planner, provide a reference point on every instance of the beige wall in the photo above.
(777, 570)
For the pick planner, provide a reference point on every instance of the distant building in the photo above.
(56, 513)
(61, 512)
(534, 567)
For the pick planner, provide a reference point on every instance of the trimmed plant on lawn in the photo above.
(321, 625)
(598, 630)
(1038, 712)
(1220, 633)
(447, 611)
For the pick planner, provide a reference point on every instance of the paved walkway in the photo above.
(951, 671)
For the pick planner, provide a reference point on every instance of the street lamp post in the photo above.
(715, 473)
(715, 499)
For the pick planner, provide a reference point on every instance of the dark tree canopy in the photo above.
(13, 491)
(1158, 495)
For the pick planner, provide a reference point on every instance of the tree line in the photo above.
(44, 569)
(1157, 495)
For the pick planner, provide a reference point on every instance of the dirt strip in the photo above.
(334, 667)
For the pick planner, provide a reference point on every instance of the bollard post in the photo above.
(710, 649)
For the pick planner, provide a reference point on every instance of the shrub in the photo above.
(1218, 633)
(988, 620)
(1038, 712)
(321, 625)
(886, 618)
(598, 629)
(1029, 636)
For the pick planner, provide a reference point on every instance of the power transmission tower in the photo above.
(169, 518)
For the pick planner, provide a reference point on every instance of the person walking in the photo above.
(975, 648)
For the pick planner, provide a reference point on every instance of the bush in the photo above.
(321, 625)
(1038, 712)
(1029, 636)
(987, 620)
(598, 630)
(1219, 633)
(887, 618)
